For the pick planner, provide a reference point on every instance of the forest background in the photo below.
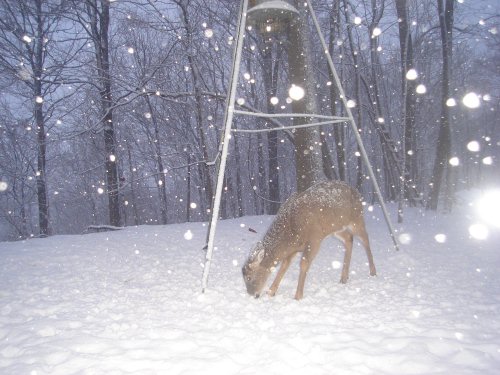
(111, 112)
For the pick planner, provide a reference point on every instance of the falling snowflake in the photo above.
(209, 33)
(188, 235)
(473, 146)
(296, 92)
(421, 89)
(351, 103)
(478, 231)
(404, 238)
(488, 160)
(440, 238)
(411, 75)
(3, 186)
(451, 102)
(454, 161)
(39, 99)
(336, 264)
(274, 100)
(471, 100)
(130, 50)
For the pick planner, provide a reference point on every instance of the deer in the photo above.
(301, 224)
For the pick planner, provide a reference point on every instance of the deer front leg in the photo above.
(307, 257)
(285, 263)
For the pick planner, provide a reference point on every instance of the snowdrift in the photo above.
(130, 302)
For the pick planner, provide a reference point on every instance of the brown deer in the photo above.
(301, 224)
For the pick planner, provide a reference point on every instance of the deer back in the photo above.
(325, 208)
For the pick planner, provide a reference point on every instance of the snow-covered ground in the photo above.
(129, 302)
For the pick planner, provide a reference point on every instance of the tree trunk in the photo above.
(132, 189)
(41, 174)
(409, 101)
(261, 177)
(100, 22)
(357, 94)
(161, 182)
(188, 187)
(338, 130)
(443, 150)
(271, 71)
(193, 67)
(260, 180)
(308, 159)
(389, 153)
(240, 211)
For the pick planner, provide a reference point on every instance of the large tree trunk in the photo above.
(409, 101)
(308, 159)
(132, 189)
(100, 21)
(389, 153)
(240, 209)
(443, 150)
(338, 130)
(357, 95)
(162, 181)
(41, 183)
(271, 69)
(195, 74)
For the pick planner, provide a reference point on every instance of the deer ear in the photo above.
(257, 256)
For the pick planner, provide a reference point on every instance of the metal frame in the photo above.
(228, 120)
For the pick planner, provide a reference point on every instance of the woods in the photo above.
(112, 111)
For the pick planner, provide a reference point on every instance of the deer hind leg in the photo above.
(307, 257)
(360, 231)
(347, 238)
(285, 263)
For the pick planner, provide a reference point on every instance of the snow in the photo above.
(129, 302)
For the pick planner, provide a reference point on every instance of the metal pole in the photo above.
(353, 125)
(228, 117)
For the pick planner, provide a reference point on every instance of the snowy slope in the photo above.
(129, 302)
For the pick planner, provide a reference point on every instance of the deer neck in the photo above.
(276, 241)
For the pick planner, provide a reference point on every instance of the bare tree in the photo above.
(443, 149)
(409, 99)
(338, 131)
(35, 60)
(94, 17)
